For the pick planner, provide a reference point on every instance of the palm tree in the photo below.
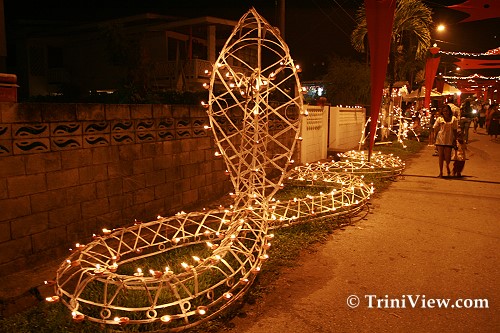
(411, 39)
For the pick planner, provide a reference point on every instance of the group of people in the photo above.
(488, 118)
(447, 136)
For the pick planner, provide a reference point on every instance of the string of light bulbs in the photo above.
(472, 54)
(472, 77)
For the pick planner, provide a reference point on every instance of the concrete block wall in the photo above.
(69, 170)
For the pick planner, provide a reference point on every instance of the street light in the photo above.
(440, 30)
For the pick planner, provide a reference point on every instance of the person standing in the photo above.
(489, 114)
(494, 121)
(482, 114)
(460, 156)
(466, 116)
(432, 135)
(446, 128)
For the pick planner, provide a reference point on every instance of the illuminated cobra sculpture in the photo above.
(202, 262)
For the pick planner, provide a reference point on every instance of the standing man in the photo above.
(466, 116)
(482, 114)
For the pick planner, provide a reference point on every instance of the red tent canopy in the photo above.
(464, 63)
(478, 9)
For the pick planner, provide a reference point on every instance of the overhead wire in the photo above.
(347, 13)
(330, 19)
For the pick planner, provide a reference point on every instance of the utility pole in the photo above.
(282, 18)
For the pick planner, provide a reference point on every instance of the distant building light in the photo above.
(105, 91)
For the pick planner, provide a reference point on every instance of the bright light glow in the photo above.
(139, 273)
(52, 299)
(165, 318)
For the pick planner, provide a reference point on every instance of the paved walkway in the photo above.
(426, 238)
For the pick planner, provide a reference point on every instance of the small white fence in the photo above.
(346, 127)
(327, 127)
(314, 133)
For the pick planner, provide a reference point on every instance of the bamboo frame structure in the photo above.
(256, 137)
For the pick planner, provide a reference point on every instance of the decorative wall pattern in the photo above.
(5, 140)
(32, 138)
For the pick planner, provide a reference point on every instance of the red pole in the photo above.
(431, 67)
(379, 19)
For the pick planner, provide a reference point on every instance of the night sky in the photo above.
(315, 29)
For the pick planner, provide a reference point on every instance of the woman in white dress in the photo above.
(446, 127)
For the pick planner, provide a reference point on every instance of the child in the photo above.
(460, 155)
